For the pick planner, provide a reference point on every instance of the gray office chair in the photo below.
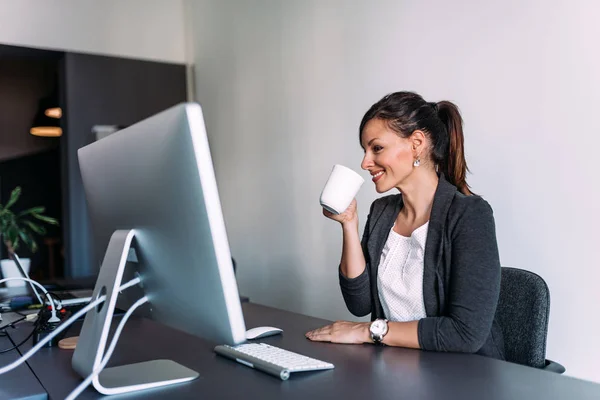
(523, 311)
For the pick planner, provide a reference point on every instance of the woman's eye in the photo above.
(377, 149)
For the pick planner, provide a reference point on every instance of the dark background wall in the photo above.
(99, 90)
(38, 175)
(94, 90)
(27, 75)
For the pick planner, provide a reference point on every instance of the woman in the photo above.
(427, 269)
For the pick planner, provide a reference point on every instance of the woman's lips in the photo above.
(377, 176)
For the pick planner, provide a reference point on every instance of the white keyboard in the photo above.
(272, 360)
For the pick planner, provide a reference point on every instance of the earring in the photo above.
(417, 162)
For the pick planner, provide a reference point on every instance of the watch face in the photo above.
(378, 327)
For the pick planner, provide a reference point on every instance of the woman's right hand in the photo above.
(348, 216)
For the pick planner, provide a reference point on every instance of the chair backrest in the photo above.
(522, 313)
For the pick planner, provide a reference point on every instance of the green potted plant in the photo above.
(19, 229)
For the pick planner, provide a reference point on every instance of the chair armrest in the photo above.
(554, 367)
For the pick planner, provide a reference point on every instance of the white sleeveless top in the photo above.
(400, 275)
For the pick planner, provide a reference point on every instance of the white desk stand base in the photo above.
(140, 376)
(94, 334)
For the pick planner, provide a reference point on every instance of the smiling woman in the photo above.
(427, 268)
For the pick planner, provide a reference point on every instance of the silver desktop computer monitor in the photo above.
(152, 187)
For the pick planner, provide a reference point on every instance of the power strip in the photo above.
(44, 328)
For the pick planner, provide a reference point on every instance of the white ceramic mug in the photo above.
(341, 187)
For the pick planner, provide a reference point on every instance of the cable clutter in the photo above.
(109, 352)
(51, 325)
(41, 324)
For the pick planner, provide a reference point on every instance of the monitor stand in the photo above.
(92, 340)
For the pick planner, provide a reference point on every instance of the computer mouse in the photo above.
(262, 331)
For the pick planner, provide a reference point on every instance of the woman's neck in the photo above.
(417, 195)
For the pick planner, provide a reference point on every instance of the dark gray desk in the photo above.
(362, 372)
(19, 383)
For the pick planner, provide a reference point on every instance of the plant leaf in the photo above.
(40, 230)
(46, 219)
(26, 238)
(14, 196)
(6, 220)
(12, 233)
(15, 229)
(15, 244)
(33, 210)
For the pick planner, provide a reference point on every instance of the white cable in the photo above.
(62, 327)
(19, 265)
(54, 318)
(73, 395)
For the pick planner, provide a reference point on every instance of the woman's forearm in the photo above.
(400, 334)
(403, 334)
(353, 262)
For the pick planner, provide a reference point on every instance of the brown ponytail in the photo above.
(455, 165)
(406, 112)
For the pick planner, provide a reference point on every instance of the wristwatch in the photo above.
(378, 329)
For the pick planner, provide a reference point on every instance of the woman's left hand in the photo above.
(342, 332)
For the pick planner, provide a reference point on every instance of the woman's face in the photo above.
(388, 157)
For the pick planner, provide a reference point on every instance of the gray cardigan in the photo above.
(461, 277)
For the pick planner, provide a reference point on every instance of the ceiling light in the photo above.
(46, 131)
(53, 112)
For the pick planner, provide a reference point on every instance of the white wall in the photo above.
(143, 29)
(285, 84)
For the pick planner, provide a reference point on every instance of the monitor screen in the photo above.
(156, 177)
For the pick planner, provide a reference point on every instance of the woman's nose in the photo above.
(366, 162)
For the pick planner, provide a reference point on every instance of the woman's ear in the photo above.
(417, 142)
